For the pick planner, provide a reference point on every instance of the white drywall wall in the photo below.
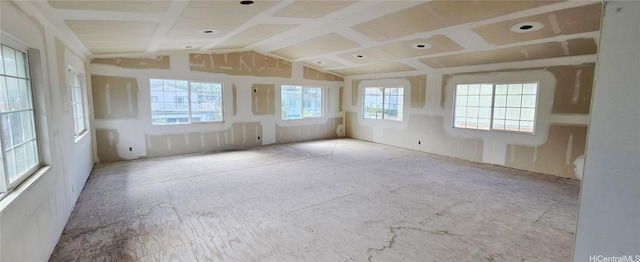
(609, 213)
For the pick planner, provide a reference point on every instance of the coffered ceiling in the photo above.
(341, 37)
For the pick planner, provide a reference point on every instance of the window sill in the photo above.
(80, 136)
(7, 198)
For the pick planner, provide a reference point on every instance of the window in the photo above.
(77, 102)
(383, 103)
(183, 102)
(509, 107)
(301, 102)
(19, 143)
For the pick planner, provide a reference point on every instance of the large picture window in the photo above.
(384, 103)
(300, 102)
(184, 102)
(19, 142)
(509, 107)
(77, 101)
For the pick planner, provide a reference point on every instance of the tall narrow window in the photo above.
(19, 143)
(77, 101)
(183, 102)
(509, 107)
(384, 103)
(299, 102)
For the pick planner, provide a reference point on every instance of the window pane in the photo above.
(6, 132)
(529, 101)
(312, 106)
(513, 100)
(13, 94)
(21, 66)
(485, 101)
(461, 101)
(472, 112)
(526, 126)
(528, 114)
(473, 100)
(11, 164)
(462, 89)
(500, 101)
(486, 89)
(484, 112)
(31, 154)
(206, 102)
(484, 123)
(530, 89)
(9, 56)
(27, 123)
(498, 124)
(515, 89)
(4, 100)
(512, 125)
(499, 113)
(372, 103)
(513, 113)
(393, 103)
(461, 112)
(291, 102)
(1, 62)
(474, 89)
(15, 123)
(501, 89)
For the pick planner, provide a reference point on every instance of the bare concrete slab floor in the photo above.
(332, 200)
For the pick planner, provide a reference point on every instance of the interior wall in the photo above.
(608, 226)
(251, 104)
(33, 215)
(556, 147)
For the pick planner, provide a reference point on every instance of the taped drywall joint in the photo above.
(149, 141)
(569, 150)
(107, 89)
(202, 140)
(576, 87)
(169, 144)
(525, 53)
(553, 20)
(244, 133)
(186, 139)
(513, 153)
(565, 48)
(535, 154)
(130, 96)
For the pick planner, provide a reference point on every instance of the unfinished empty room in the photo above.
(307, 130)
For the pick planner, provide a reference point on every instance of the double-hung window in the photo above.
(383, 103)
(300, 102)
(77, 101)
(508, 107)
(19, 141)
(184, 102)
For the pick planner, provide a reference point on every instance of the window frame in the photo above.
(493, 107)
(6, 185)
(188, 102)
(383, 103)
(77, 73)
(302, 102)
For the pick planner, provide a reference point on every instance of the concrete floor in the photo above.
(333, 200)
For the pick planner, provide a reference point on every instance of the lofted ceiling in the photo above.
(341, 37)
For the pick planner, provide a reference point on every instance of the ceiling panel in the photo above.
(221, 16)
(322, 63)
(438, 14)
(562, 22)
(405, 49)
(312, 8)
(375, 69)
(571, 47)
(316, 46)
(113, 36)
(140, 6)
(253, 35)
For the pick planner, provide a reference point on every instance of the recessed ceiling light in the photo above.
(420, 46)
(358, 55)
(188, 47)
(526, 27)
(319, 62)
(246, 2)
(209, 31)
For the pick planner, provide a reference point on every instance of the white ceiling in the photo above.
(329, 35)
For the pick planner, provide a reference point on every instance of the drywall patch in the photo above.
(340, 94)
(574, 85)
(240, 135)
(114, 97)
(107, 140)
(418, 90)
(241, 63)
(234, 93)
(564, 145)
(62, 75)
(354, 92)
(315, 74)
(289, 134)
(263, 99)
(157, 62)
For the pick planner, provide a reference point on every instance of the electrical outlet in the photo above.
(130, 149)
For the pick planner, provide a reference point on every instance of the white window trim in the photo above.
(222, 105)
(322, 92)
(493, 106)
(546, 88)
(83, 87)
(364, 94)
(7, 187)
